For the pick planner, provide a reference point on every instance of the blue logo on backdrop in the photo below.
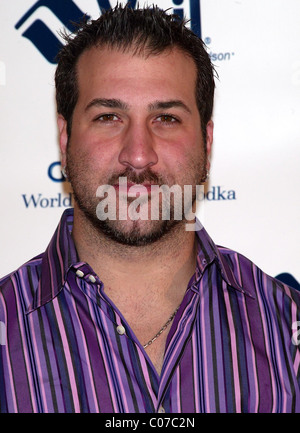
(67, 12)
(54, 172)
(59, 200)
(288, 279)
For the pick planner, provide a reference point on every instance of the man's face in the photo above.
(136, 117)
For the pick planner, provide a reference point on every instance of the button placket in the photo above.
(121, 330)
(92, 279)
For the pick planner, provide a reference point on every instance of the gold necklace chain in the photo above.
(161, 330)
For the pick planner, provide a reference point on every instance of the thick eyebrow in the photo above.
(165, 105)
(108, 103)
(121, 105)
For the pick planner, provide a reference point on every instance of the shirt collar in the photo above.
(58, 258)
(208, 253)
(61, 256)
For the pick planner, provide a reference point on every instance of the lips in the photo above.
(132, 189)
(133, 185)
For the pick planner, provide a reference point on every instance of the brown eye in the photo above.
(166, 118)
(107, 117)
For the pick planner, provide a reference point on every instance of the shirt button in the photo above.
(161, 409)
(120, 330)
(79, 273)
(92, 279)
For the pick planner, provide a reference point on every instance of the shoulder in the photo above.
(25, 279)
(253, 279)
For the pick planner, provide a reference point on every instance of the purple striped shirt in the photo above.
(229, 348)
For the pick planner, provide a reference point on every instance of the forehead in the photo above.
(109, 71)
(105, 55)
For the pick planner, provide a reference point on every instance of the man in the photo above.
(128, 314)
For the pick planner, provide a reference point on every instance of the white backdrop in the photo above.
(253, 202)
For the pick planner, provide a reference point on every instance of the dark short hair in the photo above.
(146, 31)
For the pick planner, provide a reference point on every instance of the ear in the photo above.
(63, 138)
(209, 140)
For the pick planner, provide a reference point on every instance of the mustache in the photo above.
(147, 176)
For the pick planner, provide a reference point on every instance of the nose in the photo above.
(138, 148)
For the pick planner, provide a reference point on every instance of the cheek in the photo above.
(186, 153)
(89, 151)
(191, 165)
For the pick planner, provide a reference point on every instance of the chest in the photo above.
(68, 356)
(156, 351)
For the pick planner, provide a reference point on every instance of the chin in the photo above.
(136, 233)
